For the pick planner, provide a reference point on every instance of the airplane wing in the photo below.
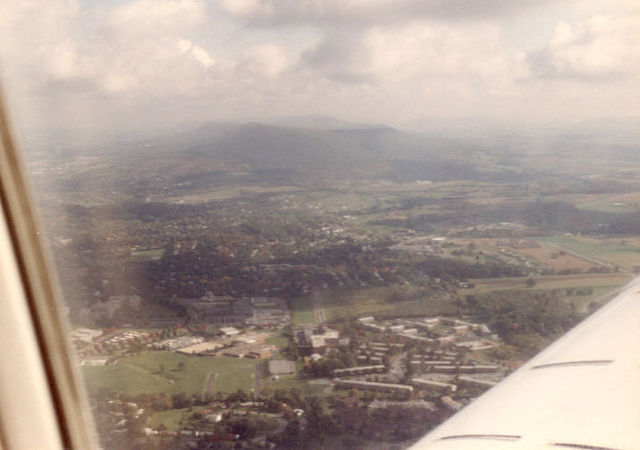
(582, 392)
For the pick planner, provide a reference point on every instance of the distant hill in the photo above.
(321, 122)
(219, 154)
(369, 152)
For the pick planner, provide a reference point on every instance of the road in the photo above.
(397, 368)
(318, 309)
(208, 384)
(257, 380)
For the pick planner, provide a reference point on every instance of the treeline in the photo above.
(524, 319)
(455, 269)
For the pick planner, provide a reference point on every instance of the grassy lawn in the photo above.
(141, 374)
(374, 301)
(170, 418)
(302, 311)
(287, 382)
(277, 339)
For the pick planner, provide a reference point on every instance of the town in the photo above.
(217, 303)
(433, 365)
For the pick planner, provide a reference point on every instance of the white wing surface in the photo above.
(582, 392)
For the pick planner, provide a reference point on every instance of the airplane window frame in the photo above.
(46, 360)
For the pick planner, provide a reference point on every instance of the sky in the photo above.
(116, 65)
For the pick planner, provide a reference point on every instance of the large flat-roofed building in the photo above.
(360, 370)
(422, 383)
(229, 331)
(213, 309)
(203, 348)
(372, 386)
(316, 340)
(465, 380)
(269, 311)
(465, 369)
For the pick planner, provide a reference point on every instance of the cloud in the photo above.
(283, 12)
(381, 60)
(423, 52)
(597, 49)
(139, 48)
(148, 18)
(264, 60)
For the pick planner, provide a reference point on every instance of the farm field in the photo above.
(229, 192)
(363, 302)
(617, 203)
(556, 259)
(144, 374)
(616, 251)
(485, 285)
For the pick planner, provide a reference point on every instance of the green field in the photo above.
(287, 382)
(302, 311)
(617, 203)
(170, 418)
(357, 303)
(142, 374)
(618, 251)
(147, 255)
(582, 301)
(278, 339)
(595, 281)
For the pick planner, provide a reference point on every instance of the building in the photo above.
(465, 369)
(475, 381)
(269, 311)
(94, 361)
(371, 386)
(204, 348)
(221, 310)
(476, 345)
(84, 335)
(260, 353)
(421, 383)
(359, 370)
(450, 403)
(316, 340)
(178, 342)
(229, 331)
(107, 309)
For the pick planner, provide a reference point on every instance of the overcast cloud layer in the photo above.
(161, 63)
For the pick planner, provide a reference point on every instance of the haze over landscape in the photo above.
(322, 224)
